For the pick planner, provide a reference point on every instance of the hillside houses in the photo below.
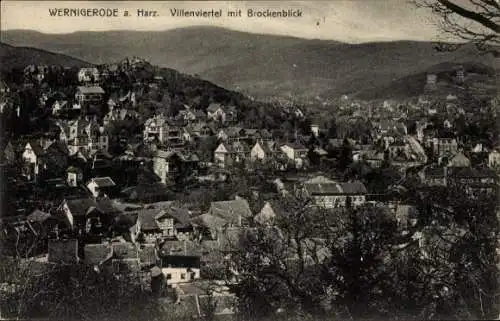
(82, 135)
(328, 193)
(88, 75)
(166, 176)
(234, 213)
(89, 95)
(230, 154)
(222, 114)
(494, 159)
(296, 153)
(163, 130)
(169, 165)
(262, 151)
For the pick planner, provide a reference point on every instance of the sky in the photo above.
(352, 21)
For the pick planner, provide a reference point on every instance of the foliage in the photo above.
(78, 292)
(353, 262)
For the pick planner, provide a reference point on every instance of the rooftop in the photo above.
(103, 181)
(90, 90)
(230, 210)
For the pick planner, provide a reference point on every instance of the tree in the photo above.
(345, 155)
(77, 292)
(278, 267)
(317, 262)
(475, 21)
(332, 128)
(357, 270)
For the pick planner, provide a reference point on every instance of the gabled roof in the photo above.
(183, 156)
(265, 147)
(103, 181)
(61, 103)
(180, 248)
(320, 151)
(231, 210)
(80, 207)
(147, 218)
(209, 221)
(37, 149)
(334, 188)
(180, 215)
(353, 188)
(58, 147)
(266, 215)
(459, 160)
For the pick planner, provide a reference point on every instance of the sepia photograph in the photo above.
(250, 160)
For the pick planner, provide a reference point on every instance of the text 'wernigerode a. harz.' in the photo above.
(177, 13)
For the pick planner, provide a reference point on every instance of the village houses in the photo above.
(328, 193)
(220, 113)
(229, 154)
(162, 130)
(88, 75)
(295, 152)
(89, 95)
(84, 135)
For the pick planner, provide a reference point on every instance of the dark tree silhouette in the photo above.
(474, 21)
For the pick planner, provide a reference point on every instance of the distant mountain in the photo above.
(260, 65)
(19, 57)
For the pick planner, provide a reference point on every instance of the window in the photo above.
(183, 276)
(169, 276)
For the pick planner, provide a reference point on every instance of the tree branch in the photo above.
(475, 16)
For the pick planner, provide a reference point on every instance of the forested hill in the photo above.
(261, 65)
(172, 93)
(19, 57)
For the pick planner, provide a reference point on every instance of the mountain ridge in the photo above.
(21, 56)
(258, 65)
